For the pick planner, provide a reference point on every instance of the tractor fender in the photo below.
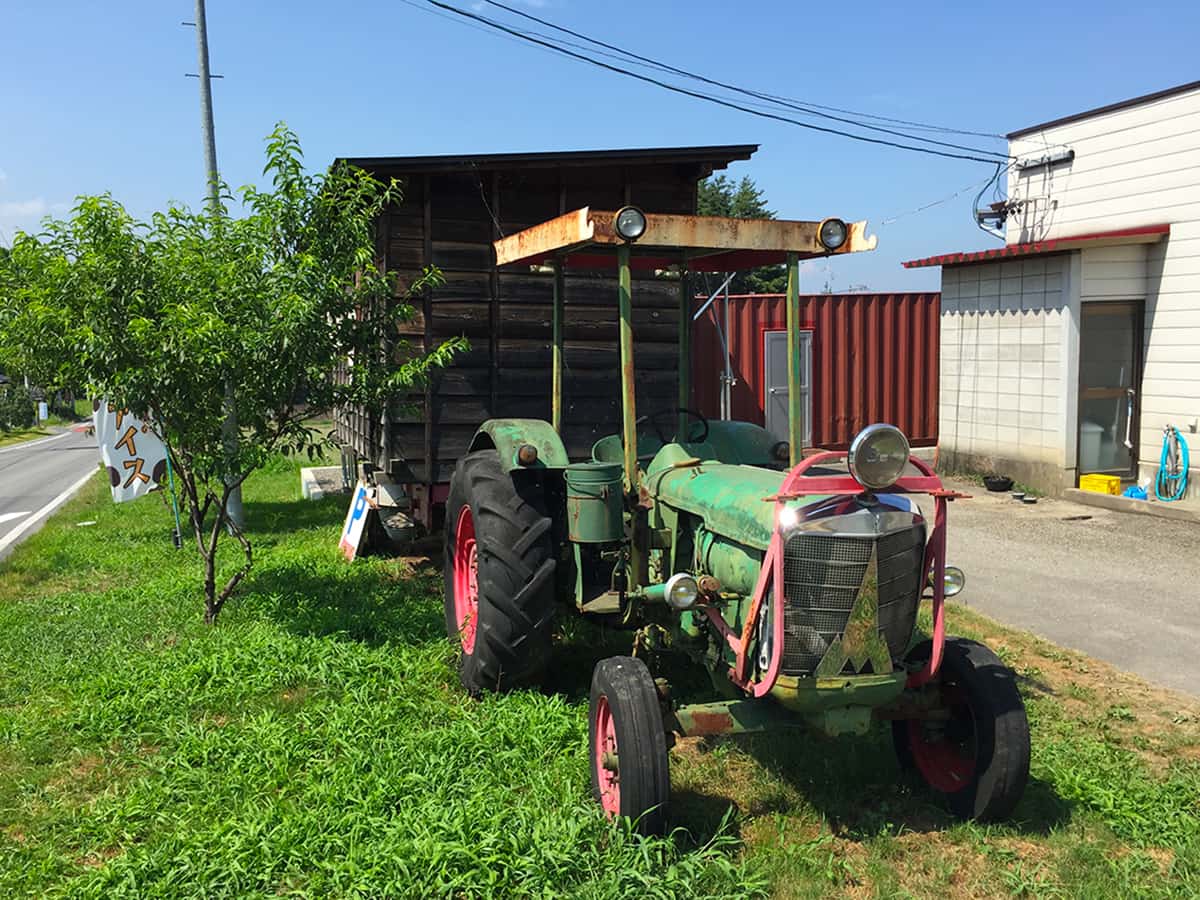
(507, 435)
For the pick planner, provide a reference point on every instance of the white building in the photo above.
(1068, 350)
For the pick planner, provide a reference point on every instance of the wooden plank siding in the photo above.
(449, 219)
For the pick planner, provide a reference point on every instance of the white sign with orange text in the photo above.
(133, 455)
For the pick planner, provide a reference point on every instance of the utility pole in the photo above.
(229, 428)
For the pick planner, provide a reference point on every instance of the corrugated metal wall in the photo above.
(875, 359)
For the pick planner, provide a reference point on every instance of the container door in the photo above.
(1110, 378)
(775, 383)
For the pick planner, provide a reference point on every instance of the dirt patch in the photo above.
(86, 766)
(936, 865)
(294, 696)
(97, 858)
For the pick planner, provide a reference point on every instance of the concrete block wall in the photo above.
(1005, 364)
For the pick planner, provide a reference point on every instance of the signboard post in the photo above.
(355, 527)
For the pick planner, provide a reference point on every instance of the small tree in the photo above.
(158, 317)
(720, 196)
(16, 408)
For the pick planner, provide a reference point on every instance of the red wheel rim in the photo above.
(605, 760)
(944, 751)
(466, 580)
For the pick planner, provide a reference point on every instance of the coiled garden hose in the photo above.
(1171, 483)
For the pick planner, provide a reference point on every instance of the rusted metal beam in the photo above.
(759, 240)
(560, 233)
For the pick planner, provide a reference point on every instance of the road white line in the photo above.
(28, 444)
(50, 507)
(8, 517)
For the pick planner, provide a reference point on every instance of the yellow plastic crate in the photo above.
(1100, 484)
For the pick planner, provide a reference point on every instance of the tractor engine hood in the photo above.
(731, 499)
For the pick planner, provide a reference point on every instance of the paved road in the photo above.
(1121, 587)
(36, 477)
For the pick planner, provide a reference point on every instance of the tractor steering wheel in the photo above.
(655, 417)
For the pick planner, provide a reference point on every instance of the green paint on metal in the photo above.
(730, 499)
(628, 404)
(594, 502)
(735, 565)
(556, 380)
(841, 720)
(808, 695)
(685, 352)
(732, 717)
(507, 435)
(861, 641)
(730, 442)
(795, 398)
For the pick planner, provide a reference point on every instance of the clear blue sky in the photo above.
(94, 96)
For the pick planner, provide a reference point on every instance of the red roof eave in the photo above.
(1145, 235)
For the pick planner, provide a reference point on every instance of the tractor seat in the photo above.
(609, 448)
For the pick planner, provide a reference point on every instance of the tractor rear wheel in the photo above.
(978, 759)
(630, 772)
(499, 575)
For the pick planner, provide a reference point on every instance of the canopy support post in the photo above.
(685, 352)
(795, 398)
(556, 387)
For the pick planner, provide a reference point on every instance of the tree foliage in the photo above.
(721, 196)
(16, 408)
(159, 317)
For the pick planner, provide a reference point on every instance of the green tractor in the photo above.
(793, 581)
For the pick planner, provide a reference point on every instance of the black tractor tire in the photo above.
(515, 581)
(625, 719)
(978, 760)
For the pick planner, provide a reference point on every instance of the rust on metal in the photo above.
(710, 723)
(563, 232)
(711, 243)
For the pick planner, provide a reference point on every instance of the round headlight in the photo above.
(832, 233)
(629, 223)
(878, 456)
(953, 581)
(681, 591)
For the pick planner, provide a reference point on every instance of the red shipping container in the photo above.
(874, 358)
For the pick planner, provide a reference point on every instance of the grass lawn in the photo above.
(315, 743)
(21, 435)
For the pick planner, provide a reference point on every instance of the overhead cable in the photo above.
(788, 102)
(491, 23)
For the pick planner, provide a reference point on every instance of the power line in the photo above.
(491, 23)
(790, 103)
(970, 187)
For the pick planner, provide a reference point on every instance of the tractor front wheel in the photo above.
(499, 575)
(978, 756)
(630, 771)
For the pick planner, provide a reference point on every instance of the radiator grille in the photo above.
(822, 574)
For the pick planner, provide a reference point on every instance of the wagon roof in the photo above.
(585, 238)
(708, 158)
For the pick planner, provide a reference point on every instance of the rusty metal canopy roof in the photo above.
(1145, 235)
(712, 157)
(586, 238)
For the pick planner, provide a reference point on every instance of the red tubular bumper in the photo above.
(798, 485)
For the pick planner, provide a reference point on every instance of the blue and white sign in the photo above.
(356, 521)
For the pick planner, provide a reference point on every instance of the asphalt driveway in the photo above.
(1122, 587)
(37, 477)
